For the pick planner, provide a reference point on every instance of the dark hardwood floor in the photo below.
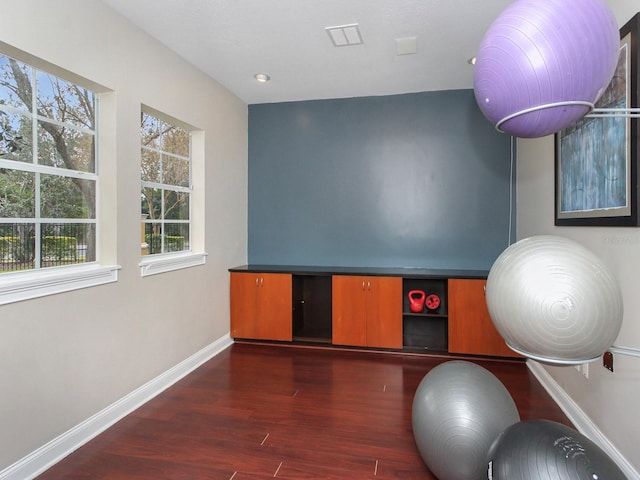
(263, 411)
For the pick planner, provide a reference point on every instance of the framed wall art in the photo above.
(596, 164)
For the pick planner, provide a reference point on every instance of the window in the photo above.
(167, 195)
(166, 186)
(48, 170)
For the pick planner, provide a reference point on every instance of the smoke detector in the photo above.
(406, 46)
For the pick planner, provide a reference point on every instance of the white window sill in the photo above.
(160, 263)
(15, 287)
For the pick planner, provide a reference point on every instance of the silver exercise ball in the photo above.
(554, 301)
(459, 409)
(546, 450)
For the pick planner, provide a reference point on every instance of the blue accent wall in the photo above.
(417, 180)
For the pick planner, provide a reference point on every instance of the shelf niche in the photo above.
(425, 330)
(311, 308)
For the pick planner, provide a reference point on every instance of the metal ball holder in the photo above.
(543, 64)
(554, 301)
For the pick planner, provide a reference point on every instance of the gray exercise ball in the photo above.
(546, 450)
(459, 409)
(554, 301)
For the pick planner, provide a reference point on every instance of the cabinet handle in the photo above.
(362, 284)
(261, 281)
(369, 286)
(257, 280)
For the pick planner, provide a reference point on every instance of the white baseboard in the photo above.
(44, 457)
(580, 420)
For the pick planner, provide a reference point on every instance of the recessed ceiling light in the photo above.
(262, 77)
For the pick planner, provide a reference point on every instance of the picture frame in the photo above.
(596, 159)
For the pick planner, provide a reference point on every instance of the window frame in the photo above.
(156, 263)
(38, 282)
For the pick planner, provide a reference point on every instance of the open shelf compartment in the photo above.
(311, 308)
(426, 330)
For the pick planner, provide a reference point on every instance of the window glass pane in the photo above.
(176, 205)
(175, 171)
(17, 246)
(64, 243)
(17, 194)
(150, 166)
(65, 147)
(153, 237)
(151, 130)
(64, 101)
(87, 242)
(15, 83)
(176, 141)
(167, 237)
(146, 195)
(15, 137)
(177, 237)
(152, 203)
(64, 197)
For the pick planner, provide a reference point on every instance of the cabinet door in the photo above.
(470, 327)
(349, 310)
(384, 312)
(275, 307)
(261, 306)
(244, 295)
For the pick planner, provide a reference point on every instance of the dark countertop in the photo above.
(373, 271)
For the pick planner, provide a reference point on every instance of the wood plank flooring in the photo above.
(262, 411)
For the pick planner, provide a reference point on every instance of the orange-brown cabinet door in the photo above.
(275, 305)
(470, 327)
(349, 310)
(244, 296)
(261, 306)
(384, 312)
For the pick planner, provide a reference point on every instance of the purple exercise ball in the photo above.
(539, 53)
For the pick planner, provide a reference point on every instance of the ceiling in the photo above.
(232, 40)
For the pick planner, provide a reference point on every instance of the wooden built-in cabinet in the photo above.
(366, 308)
(471, 330)
(367, 311)
(261, 306)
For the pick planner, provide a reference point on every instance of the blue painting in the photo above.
(594, 156)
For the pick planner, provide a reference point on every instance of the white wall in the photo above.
(610, 400)
(65, 357)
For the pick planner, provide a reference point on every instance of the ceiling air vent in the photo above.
(345, 35)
